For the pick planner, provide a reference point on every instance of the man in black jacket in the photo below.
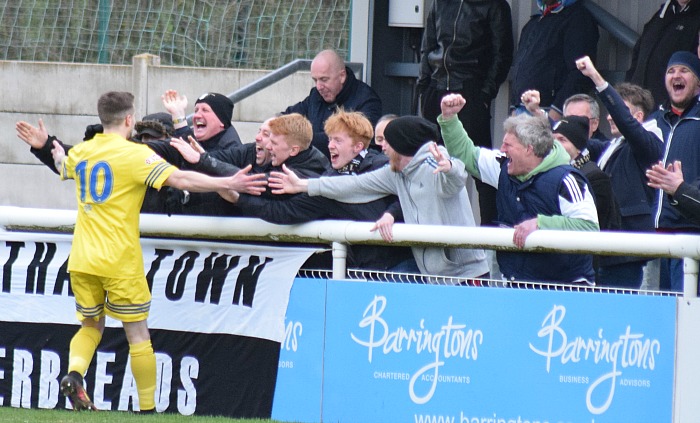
(335, 87)
(349, 135)
(211, 122)
(211, 127)
(550, 42)
(467, 48)
(572, 133)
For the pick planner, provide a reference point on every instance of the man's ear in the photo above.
(294, 150)
(357, 147)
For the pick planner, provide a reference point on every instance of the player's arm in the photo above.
(59, 157)
(41, 143)
(198, 182)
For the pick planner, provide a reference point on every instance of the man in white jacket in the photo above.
(430, 187)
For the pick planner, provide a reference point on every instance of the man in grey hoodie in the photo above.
(429, 184)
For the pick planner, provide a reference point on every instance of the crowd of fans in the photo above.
(554, 170)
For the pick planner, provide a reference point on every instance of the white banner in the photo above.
(203, 287)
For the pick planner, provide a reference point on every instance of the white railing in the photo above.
(339, 233)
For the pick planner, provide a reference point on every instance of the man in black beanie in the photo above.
(572, 134)
(211, 127)
(211, 123)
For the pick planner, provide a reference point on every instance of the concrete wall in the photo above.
(65, 96)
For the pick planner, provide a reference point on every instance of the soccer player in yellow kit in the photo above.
(106, 263)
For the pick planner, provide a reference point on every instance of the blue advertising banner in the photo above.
(420, 353)
(300, 372)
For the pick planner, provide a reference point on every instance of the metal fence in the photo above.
(340, 233)
(250, 34)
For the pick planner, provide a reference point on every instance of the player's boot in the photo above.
(72, 387)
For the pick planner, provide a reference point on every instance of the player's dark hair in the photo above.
(114, 106)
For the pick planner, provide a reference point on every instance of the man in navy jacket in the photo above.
(635, 147)
(335, 87)
(679, 122)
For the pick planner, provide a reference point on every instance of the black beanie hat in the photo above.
(407, 134)
(221, 105)
(687, 59)
(574, 128)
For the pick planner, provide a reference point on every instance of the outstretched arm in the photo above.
(198, 182)
(647, 147)
(457, 141)
(40, 142)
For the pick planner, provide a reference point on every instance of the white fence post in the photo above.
(690, 278)
(340, 254)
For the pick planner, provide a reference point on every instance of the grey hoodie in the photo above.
(426, 198)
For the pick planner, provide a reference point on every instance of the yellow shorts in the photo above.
(127, 300)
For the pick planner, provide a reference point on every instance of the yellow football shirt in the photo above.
(111, 175)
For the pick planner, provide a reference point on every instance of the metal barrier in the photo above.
(341, 233)
(612, 24)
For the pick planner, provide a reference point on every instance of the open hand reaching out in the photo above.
(174, 103)
(287, 182)
(33, 136)
(243, 182)
(191, 151)
(667, 179)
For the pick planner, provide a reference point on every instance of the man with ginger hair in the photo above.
(286, 140)
(290, 143)
(349, 136)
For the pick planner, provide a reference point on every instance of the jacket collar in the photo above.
(347, 90)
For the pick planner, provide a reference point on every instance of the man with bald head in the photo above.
(335, 87)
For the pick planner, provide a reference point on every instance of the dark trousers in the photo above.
(476, 118)
(624, 275)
